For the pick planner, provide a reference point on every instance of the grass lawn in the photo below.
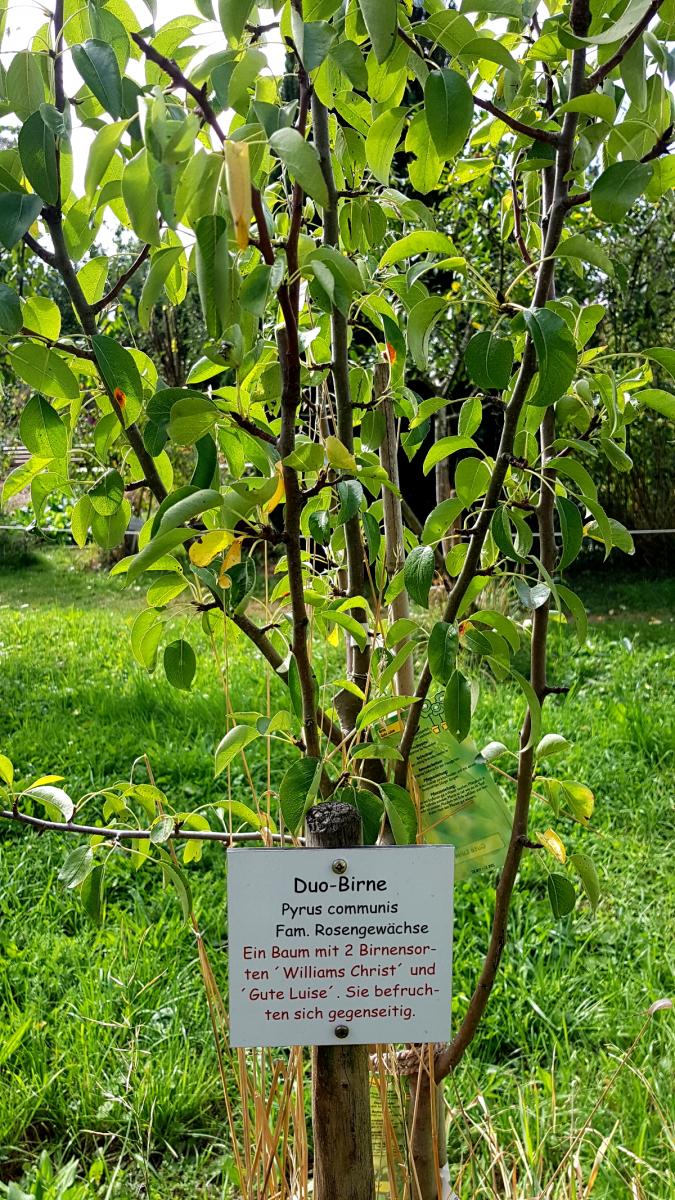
(105, 1049)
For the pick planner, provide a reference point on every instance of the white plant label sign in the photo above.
(330, 947)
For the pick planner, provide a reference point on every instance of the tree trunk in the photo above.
(343, 1147)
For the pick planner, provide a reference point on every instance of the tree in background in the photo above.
(320, 287)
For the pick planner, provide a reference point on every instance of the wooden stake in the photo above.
(343, 1150)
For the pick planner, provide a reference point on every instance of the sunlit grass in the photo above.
(109, 1044)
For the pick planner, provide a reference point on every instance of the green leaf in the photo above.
(161, 266)
(313, 40)
(117, 367)
(401, 813)
(97, 64)
(107, 494)
(596, 104)
(382, 708)
(44, 370)
(617, 189)
(54, 799)
(423, 241)
(146, 633)
(442, 651)
(24, 82)
(212, 261)
(586, 250)
(448, 104)
(101, 152)
(350, 495)
(470, 416)
(42, 430)
(187, 507)
(562, 895)
(585, 869)
(440, 519)
(556, 354)
(233, 15)
(418, 574)
(421, 321)
(534, 708)
(180, 664)
(571, 529)
(37, 147)
(576, 607)
(298, 790)
(444, 448)
(380, 18)
(41, 315)
(550, 744)
(634, 74)
(77, 866)
(109, 531)
(92, 278)
(10, 310)
(382, 139)
(302, 163)
(457, 705)
(18, 211)
(338, 455)
(490, 50)
(161, 830)
(140, 197)
(155, 549)
(371, 811)
(634, 11)
(472, 478)
(191, 419)
(235, 740)
(489, 360)
(174, 876)
(349, 624)
(661, 401)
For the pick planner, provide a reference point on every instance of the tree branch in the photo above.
(600, 74)
(538, 135)
(46, 255)
(121, 283)
(549, 136)
(128, 835)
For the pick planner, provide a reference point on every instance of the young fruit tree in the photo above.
(304, 168)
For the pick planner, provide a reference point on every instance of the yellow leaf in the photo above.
(278, 495)
(549, 838)
(204, 551)
(238, 173)
(232, 557)
(45, 779)
(333, 637)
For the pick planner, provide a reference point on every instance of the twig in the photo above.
(538, 135)
(46, 255)
(601, 73)
(121, 283)
(118, 835)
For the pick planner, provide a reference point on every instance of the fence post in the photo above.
(343, 1149)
